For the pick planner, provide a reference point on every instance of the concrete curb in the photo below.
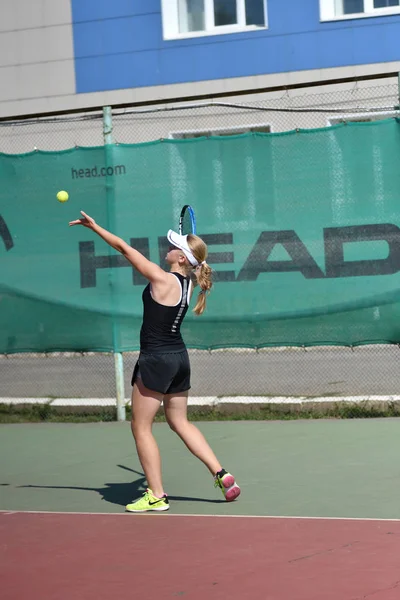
(211, 401)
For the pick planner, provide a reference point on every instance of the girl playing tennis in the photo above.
(162, 373)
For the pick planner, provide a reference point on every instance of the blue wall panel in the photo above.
(116, 36)
(336, 48)
(119, 45)
(90, 10)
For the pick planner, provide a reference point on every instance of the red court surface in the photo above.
(96, 556)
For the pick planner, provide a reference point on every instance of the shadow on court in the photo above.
(120, 493)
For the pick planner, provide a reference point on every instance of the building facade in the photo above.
(74, 55)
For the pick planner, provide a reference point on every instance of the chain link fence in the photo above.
(307, 108)
(287, 378)
(238, 377)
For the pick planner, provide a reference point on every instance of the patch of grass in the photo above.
(39, 413)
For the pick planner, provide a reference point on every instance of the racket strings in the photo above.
(186, 224)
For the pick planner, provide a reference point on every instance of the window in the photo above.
(344, 9)
(362, 118)
(190, 18)
(186, 135)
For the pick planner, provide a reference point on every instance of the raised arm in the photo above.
(148, 269)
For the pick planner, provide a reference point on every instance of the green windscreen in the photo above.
(303, 230)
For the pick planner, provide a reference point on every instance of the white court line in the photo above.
(148, 514)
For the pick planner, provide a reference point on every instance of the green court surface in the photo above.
(316, 468)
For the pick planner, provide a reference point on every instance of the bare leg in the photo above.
(175, 408)
(145, 404)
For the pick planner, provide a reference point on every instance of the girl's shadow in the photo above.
(123, 493)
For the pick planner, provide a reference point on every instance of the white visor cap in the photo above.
(180, 241)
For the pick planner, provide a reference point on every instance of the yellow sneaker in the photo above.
(148, 502)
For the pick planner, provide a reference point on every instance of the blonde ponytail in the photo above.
(202, 273)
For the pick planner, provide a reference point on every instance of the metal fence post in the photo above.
(118, 357)
(398, 89)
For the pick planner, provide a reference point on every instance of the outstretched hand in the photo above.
(86, 221)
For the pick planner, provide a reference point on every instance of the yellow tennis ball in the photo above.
(62, 196)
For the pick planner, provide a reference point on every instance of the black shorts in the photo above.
(166, 373)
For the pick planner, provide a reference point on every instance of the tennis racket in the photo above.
(187, 220)
(5, 234)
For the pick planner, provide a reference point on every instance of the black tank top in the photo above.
(161, 325)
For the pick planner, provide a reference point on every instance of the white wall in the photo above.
(36, 55)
